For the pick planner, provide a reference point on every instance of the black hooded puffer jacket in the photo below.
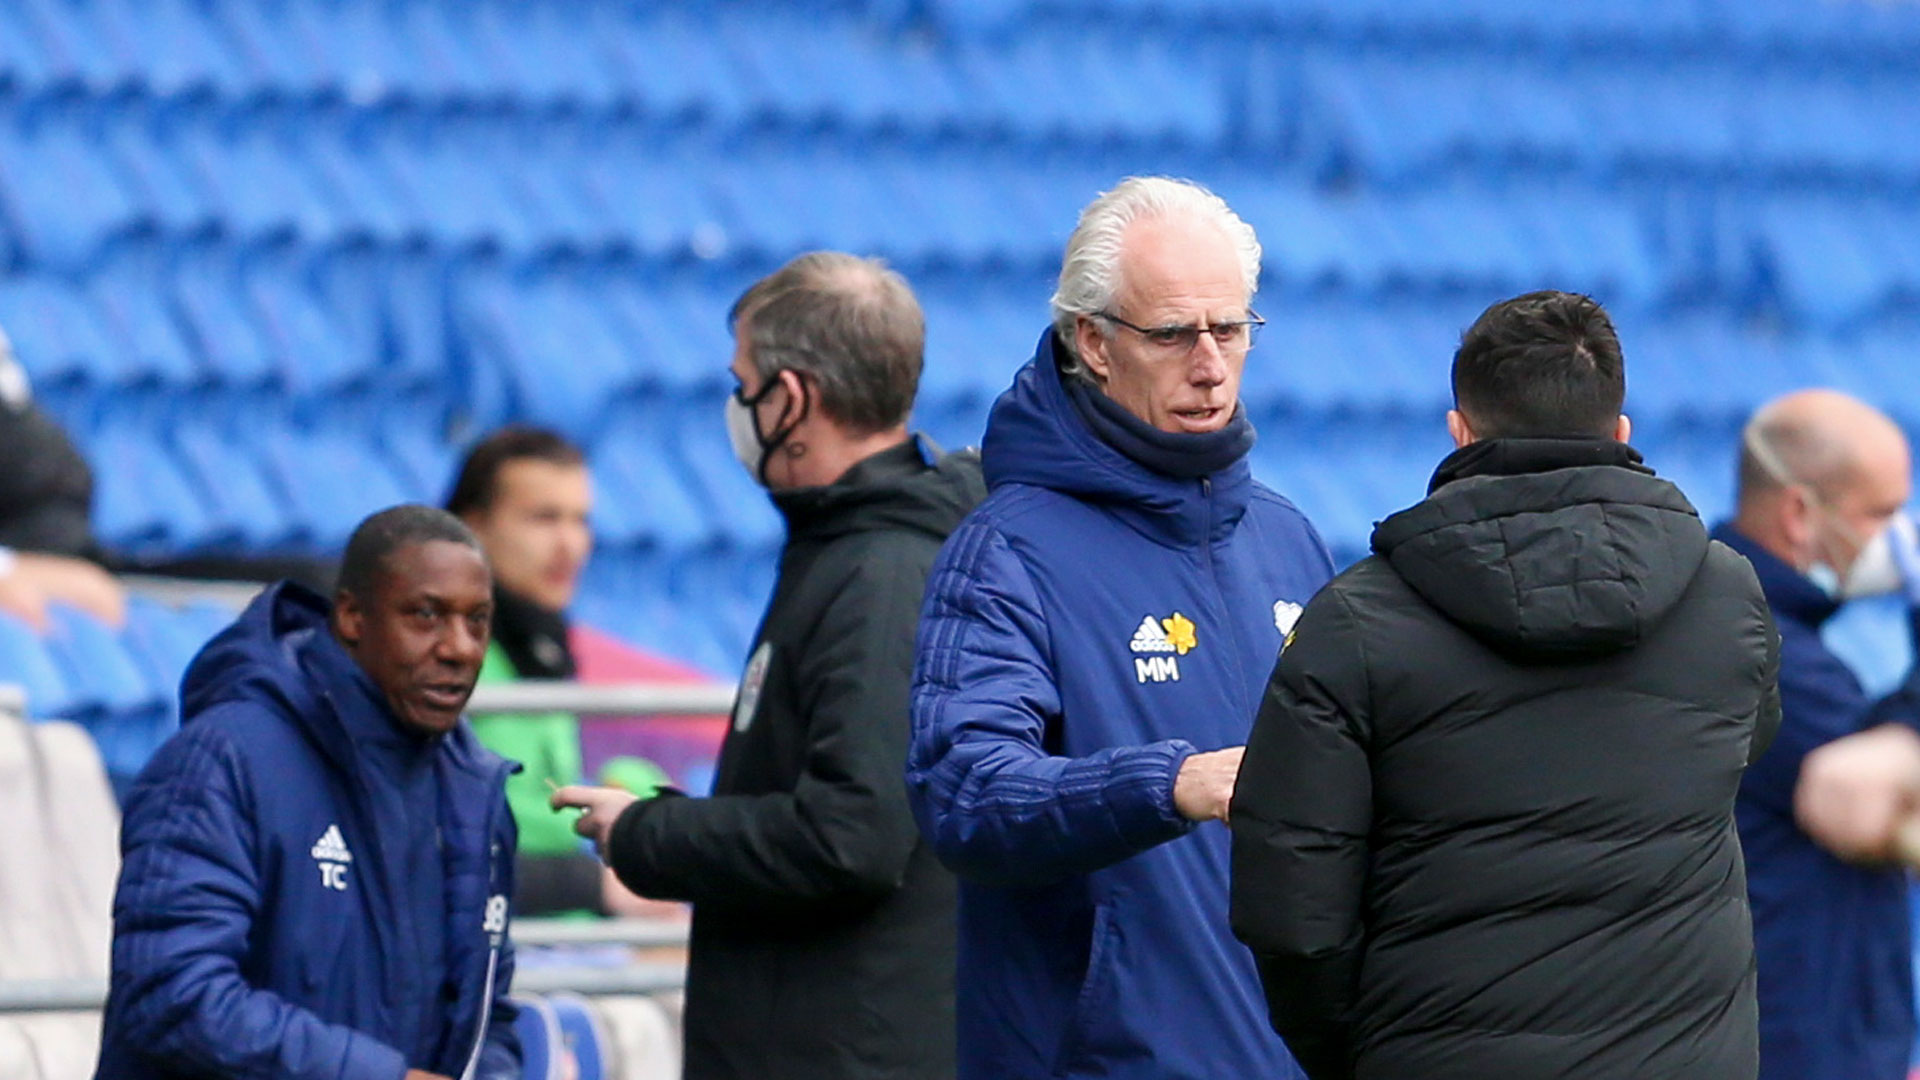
(1484, 827)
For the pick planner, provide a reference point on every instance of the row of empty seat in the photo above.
(567, 345)
(837, 59)
(1844, 33)
(274, 262)
(75, 191)
(569, 1037)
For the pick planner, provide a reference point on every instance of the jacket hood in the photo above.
(911, 486)
(1545, 555)
(280, 655)
(1035, 436)
(258, 657)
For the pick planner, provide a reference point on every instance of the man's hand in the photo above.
(21, 598)
(75, 582)
(602, 805)
(422, 1074)
(1856, 793)
(1204, 788)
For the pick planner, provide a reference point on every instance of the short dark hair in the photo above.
(852, 324)
(478, 482)
(375, 540)
(1544, 364)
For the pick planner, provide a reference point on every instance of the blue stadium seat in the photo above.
(680, 70)
(144, 151)
(86, 53)
(223, 331)
(317, 352)
(542, 1042)
(644, 495)
(255, 250)
(421, 456)
(133, 302)
(163, 639)
(24, 63)
(1347, 474)
(26, 660)
(180, 49)
(61, 198)
(99, 672)
(57, 334)
(976, 339)
(721, 591)
(1325, 356)
(143, 501)
(330, 479)
(953, 425)
(1834, 261)
(246, 511)
(592, 1046)
(623, 592)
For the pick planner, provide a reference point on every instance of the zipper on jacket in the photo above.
(1229, 626)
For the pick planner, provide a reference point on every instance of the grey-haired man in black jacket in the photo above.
(823, 928)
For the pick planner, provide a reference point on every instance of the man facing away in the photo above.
(1823, 478)
(316, 869)
(1484, 826)
(1092, 647)
(822, 943)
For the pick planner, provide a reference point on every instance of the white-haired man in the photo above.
(1093, 648)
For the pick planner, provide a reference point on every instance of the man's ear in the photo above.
(793, 411)
(1092, 345)
(1623, 429)
(1458, 427)
(348, 619)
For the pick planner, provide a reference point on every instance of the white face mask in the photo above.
(1873, 573)
(743, 428)
(745, 439)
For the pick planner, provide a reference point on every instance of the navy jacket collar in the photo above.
(1036, 436)
(1788, 591)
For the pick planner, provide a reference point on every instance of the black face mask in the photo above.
(753, 449)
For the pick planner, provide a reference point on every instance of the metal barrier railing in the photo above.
(634, 977)
(609, 699)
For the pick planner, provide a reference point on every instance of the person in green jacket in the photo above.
(526, 493)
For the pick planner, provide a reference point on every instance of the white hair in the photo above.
(1090, 272)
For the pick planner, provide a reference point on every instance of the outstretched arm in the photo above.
(996, 806)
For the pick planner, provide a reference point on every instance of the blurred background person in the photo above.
(1092, 652)
(48, 552)
(823, 932)
(1859, 796)
(527, 494)
(1823, 478)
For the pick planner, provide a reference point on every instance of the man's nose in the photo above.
(460, 644)
(1207, 366)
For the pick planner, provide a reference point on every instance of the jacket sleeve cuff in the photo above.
(370, 1059)
(627, 852)
(1144, 801)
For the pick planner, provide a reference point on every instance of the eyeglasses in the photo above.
(1233, 335)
